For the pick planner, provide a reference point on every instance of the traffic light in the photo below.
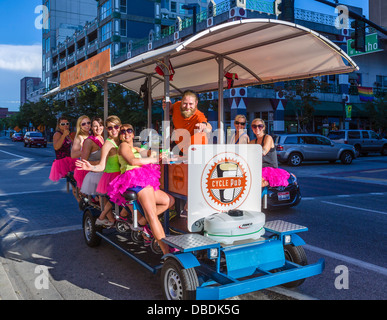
(284, 9)
(358, 35)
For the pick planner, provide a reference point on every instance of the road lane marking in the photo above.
(351, 207)
(365, 178)
(338, 256)
(375, 170)
(12, 154)
(19, 235)
(29, 192)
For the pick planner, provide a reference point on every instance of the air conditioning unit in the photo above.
(237, 12)
(210, 22)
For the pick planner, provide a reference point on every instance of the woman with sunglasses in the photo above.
(83, 131)
(91, 151)
(62, 143)
(110, 166)
(271, 174)
(142, 175)
(240, 136)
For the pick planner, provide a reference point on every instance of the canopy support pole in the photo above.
(105, 102)
(166, 124)
(149, 106)
(220, 100)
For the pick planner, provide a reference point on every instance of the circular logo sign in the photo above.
(226, 181)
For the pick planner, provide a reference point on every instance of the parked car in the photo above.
(17, 136)
(34, 138)
(364, 141)
(295, 148)
(281, 197)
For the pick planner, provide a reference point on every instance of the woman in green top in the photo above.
(142, 175)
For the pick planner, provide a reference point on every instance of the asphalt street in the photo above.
(40, 231)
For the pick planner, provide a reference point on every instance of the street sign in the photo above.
(371, 45)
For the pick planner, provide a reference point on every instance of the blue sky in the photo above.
(20, 42)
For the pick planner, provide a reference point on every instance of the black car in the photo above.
(281, 197)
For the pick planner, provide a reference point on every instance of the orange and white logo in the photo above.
(226, 181)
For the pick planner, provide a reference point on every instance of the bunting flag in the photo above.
(230, 79)
(365, 93)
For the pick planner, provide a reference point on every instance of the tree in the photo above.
(301, 93)
(377, 112)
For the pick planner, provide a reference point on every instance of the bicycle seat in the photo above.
(130, 195)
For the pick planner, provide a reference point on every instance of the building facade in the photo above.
(129, 28)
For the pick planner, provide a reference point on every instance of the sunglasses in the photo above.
(85, 123)
(110, 128)
(64, 124)
(123, 131)
(241, 123)
(255, 126)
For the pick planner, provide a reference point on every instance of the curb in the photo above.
(7, 291)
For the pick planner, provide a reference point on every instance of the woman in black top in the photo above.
(269, 155)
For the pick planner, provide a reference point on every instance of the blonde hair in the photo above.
(240, 116)
(113, 119)
(79, 127)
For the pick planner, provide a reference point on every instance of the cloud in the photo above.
(21, 58)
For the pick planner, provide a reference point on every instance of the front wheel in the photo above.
(297, 255)
(90, 229)
(178, 283)
(346, 157)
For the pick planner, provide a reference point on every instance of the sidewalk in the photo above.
(6, 289)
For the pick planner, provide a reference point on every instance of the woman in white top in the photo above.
(240, 136)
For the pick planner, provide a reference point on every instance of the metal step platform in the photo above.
(283, 227)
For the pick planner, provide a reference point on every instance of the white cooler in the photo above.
(234, 225)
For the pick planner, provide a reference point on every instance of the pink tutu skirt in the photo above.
(147, 175)
(275, 176)
(61, 167)
(106, 178)
(79, 175)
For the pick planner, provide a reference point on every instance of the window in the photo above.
(291, 140)
(106, 31)
(123, 6)
(381, 81)
(173, 6)
(353, 134)
(106, 10)
(337, 135)
(123, 28)
(309, 140)
(374, 135)
(165, 4)
(365, 135)
(323, 141)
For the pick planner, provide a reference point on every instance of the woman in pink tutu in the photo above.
(110, 166)
(141, 175)
(83, 131)
(62, 143)
(271, 174)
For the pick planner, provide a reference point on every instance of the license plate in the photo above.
(283, 196)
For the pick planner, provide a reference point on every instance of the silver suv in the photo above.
(297, 147)
(364, 141)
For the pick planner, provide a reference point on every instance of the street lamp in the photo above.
(191, 7)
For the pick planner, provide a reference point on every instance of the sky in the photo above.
(21, 40)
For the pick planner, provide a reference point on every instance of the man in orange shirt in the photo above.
(185, 115)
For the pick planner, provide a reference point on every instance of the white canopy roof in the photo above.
(258, 50)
